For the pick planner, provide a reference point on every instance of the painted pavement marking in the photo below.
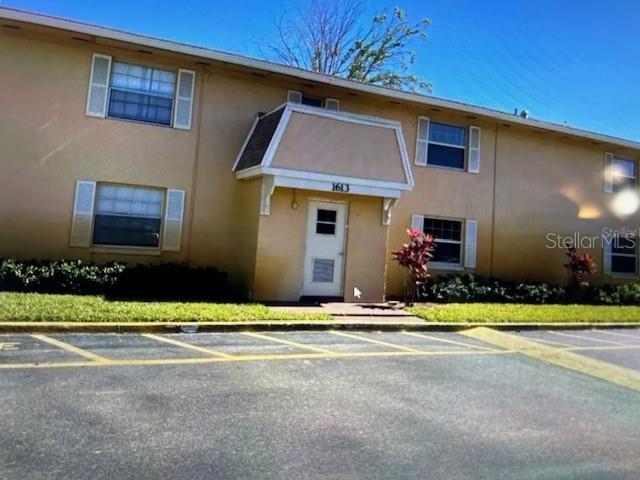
(189, 346)
(583, 337)
(70, 348)
(289, 343)
(377, 342)
(452, 342)
(609, 372)
(248, 358)
(9, 346)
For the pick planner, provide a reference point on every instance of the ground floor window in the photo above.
(624, 255)
(448, 239)
(128, 216)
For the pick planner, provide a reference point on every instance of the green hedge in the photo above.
(162, 281)
(469, 288)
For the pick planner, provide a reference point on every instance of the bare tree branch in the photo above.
(326, 37)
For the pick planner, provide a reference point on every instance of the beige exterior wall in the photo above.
(550, 186)
(325, 145)
(529, 184)
(282, 241)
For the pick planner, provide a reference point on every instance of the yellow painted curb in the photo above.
(609, 372)
(283, 325)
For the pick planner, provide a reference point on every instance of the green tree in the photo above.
(327, 37)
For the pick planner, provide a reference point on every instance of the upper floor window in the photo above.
(294, 96)
(141, 93)
(135, 92)
(445, 145)
(623, 174)
(128, 216)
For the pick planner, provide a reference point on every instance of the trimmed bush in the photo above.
(163, 281)
(624, 294)
(471, 288)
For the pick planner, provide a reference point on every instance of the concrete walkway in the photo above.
(385, 313)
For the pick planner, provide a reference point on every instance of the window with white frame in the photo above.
(446, 145)
(141, 93)
(295, 96)
(623, 174)
(448, 239)
(128, 216)
(623, 255)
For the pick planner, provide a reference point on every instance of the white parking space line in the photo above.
(289, 343)
(70, 348)
(544, 340)
(186, 345)
(377, 342)
(452, 342)
(624, 335)
(584, 337)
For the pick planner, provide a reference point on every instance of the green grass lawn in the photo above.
(35, 307)
(519, 313)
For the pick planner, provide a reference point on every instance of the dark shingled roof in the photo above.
(259, 142)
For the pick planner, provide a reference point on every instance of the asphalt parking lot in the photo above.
(317, 405)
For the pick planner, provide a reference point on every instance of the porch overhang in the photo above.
(310, 148)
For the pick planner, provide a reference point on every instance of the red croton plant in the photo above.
(415, 256)
(580, 267)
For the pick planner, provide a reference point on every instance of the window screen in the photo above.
(141, 93)
(448, 239)
(446, 145)
(128, 216)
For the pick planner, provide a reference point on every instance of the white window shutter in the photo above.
(332, 104)
(422, 141)
(174, 214)
(470, 243)
(98, 85)
(293, 96)
(184, 99)
(473, 164)
(82, 222)
(417, 222)
(606, 256)
(608, 172)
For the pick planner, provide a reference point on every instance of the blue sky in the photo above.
(565, 60)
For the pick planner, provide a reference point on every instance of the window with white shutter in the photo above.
(332, 104)
(130, 91)
(470, 243)
(422, 141)
(82, 222)
(184, 99)
(98, 85)
(452, 248)
(128, 216)
(473, 164)
(173, 220)
(293, 96)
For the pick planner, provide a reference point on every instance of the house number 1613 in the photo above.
(341, 187)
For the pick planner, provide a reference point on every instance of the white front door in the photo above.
(324, 257)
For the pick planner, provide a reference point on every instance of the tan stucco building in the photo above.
(116, 146)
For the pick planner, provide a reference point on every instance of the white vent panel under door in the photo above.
(323, 270)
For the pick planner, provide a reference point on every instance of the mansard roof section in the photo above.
(259, 138)
(304, 142)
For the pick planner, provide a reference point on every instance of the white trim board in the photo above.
(265, 166)
(263, 65)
